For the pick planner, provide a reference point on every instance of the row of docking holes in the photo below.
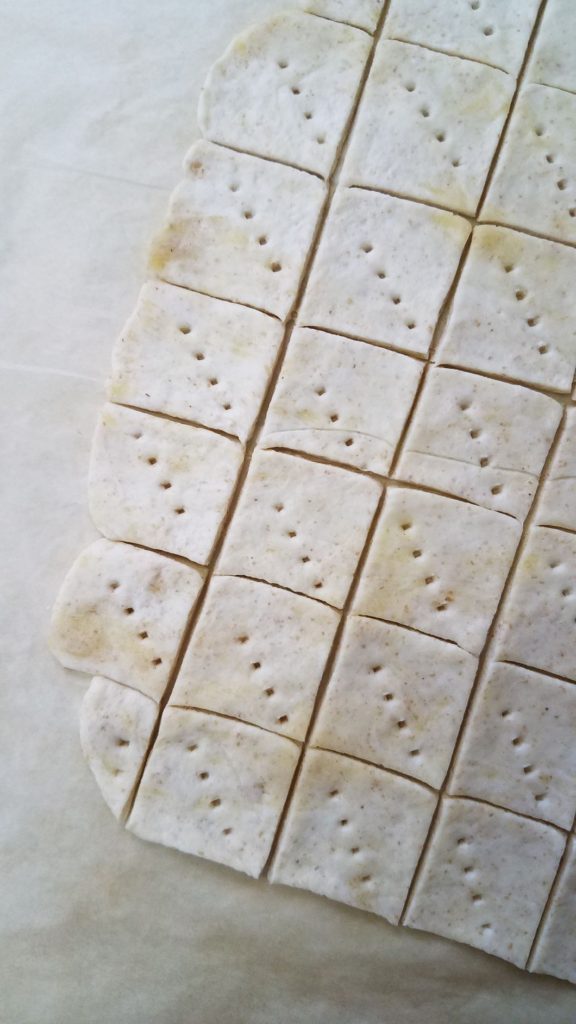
(440, 133)
(295, 89)
(521, 746)
(566, 591)
(344, 823)
(212, 382)
(292, 535)
(475, 433)
(521, 294)
(248, 214)
(561, 183)
(428, 580)
(470, 872)
(255, 667)
(395, 299)
(129, 610)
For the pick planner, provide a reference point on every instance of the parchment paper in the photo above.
(97, 927)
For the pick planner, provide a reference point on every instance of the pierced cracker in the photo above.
(486, 878)
(284, 90)
(555, 950)
(121, 613)
(465, 440)
(414, 134)
(518, 749)
(195, 358)
(239, 228)
(116, 723)
(214, 788)
(396, 698)
(354, 833)
(512, 313)
(341, 399)
(300, 525)
(534, 186)
(438, 565)
(484, 30)
(161, 484)
(383, 269)
(537, 623)
(553, 56)
(557, 505)
(257, 653)
(362, 13)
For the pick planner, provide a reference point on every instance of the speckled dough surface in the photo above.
(331, 620)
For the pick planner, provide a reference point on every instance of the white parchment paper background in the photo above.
(98, 107)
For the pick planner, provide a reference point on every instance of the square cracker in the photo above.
(300, 525)
(196, 358)
(116, 723)
(533, 186)
(161, 484)
(489, 31)
(428, 126)
(383, 269)
(553, 57)
(354, 833)
(463, 440)
(396, 698)
(512, 313)
(215, 788)
(362, 13)
(557, 505)
(438, 565)
(258, 654)
(121, 613)
(485, 878)
(555, 950)
(518, 749)
(239, 228)
(284, 90)
(341, 399)
(537, 624)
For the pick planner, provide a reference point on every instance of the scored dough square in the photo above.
(116, 723)
(362, 13)
(214, 788)
(354, 833)
(300, 525)
(258, 654)
(383, 269)
(464, 440)
(513, 309)
(396, 698)
(284, 90)
(537, 623)
(342, 399)
(557, 505)
(239, 228)
(486, 878)
(553, 56)
(555, 950)
(414, 135)
(196, 358)
(161, 484)
(533, 186)
(518, 749)
(438, 565)
(489, 31)
(121, 613)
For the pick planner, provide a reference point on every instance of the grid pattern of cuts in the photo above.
(331, 621)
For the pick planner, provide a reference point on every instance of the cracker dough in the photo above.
(415, 135)
(325, 656)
